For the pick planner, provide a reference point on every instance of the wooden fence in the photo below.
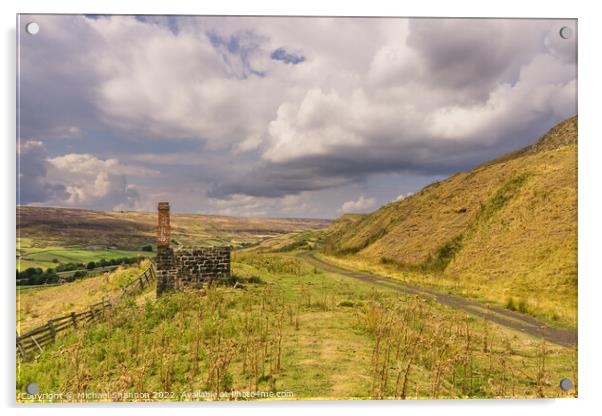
(34, 341)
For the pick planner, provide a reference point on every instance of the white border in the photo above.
(590, 230)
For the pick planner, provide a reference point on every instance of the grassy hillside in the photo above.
(130, 230)
(35, 305)
(294, 329)
(505, 232)
(47, 236)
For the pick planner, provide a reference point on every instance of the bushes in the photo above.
(36, 276)
(346, 304)
(69, 267)
(503, 195)
(444, 255)
(510, 304)
(522, 306)
(79, 274)
(271, 263)
(234, 279)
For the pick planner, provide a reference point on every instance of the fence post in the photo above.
(52, 330)
(141, 280)
(20, 346)
(74, 319)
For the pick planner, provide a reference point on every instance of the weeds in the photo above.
(417, 350)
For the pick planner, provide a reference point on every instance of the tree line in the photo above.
(38, 276)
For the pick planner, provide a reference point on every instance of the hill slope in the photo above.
(505, 231)
(131, 229)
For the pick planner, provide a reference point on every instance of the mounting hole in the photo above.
(32, 388)
(565, 32)
(566, 384)
(32, 28)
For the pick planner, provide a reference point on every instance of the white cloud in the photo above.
(86, 164)
(246, 205)
(359, 205)
(96, 183)
(79, 180)
(401, 197)
(417, 95)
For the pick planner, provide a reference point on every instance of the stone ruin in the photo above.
(186, 267)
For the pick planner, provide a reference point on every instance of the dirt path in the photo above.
(510, 319)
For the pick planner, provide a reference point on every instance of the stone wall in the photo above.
(190, 267)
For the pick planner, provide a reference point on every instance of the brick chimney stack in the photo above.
(163, 229)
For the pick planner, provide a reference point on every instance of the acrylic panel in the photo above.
(295, 208)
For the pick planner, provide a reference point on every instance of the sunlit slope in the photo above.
(41, 227)
(508, 226)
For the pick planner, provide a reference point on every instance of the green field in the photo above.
(50, 257)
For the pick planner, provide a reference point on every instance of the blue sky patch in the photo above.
(281, 54)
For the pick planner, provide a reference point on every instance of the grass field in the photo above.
(50, 257)
(301, 330)
(36, 305)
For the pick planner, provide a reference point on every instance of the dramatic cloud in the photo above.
(95, 183)
(420, 111)
(78, 180)
(361, 204)
(280, 107)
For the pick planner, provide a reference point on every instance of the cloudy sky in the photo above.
(286, 117)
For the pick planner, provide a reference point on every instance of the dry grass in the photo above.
(422, 353)
(37, 305)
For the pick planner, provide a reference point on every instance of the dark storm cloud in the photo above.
(345, 166)
(33, 185)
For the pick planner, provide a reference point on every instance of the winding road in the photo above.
(510, 319)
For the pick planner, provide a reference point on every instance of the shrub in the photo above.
(444, 254)
(80, 274)
(522, 306)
